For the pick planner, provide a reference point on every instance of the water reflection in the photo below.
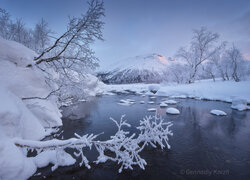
(201, 141)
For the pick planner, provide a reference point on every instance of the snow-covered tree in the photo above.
(236, 61)
(203, 46)
(41, 35)
(70, 55)
(4, 24)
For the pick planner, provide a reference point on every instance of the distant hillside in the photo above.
(140, 69)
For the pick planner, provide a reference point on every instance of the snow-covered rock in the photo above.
(126, 102)
(152, 110)
(142, 102)
(145, 68)
(170, 101)
(154, 88)
(172, 111)
(55, 157)
(163, 105)
(239, 104)
(218, 112)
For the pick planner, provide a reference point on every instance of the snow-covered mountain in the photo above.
(146, 68)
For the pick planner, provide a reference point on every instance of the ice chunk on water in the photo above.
(218, 112)
(172, 111)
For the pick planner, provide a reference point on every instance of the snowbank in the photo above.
(206, 89)
(16, 120)
(25, 119)
(13, 163)
(27, 82)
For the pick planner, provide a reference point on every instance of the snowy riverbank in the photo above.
(226, 91)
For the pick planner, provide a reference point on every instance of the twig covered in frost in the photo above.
(122, 148)
(126, 148)
(154, 131)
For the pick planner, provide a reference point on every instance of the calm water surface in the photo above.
(204, 146)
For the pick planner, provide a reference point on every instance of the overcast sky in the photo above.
(137, 27)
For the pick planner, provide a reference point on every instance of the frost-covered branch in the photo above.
(123, 147)
(154, 131)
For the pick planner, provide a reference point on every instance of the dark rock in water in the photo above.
(153, 91)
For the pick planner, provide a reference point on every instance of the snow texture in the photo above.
(56, 157)
(24, 119)
(27, 82)
(16, 120)
(14, 165)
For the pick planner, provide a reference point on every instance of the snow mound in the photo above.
(16, 120)
(163, 104)
(55, 157)
(146, 68)
(26, 82)
(16, 53)
(126, 102)
(170, 101)
(172, 111)
(14, 165)
(218, 112)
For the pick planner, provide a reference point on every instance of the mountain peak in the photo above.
(141, 68)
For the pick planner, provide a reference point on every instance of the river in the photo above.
(203, 146)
